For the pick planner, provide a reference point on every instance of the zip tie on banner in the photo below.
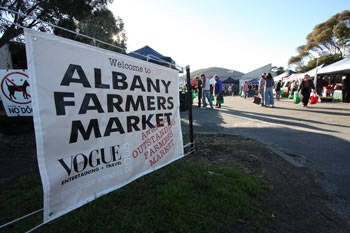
(82, 35)
(6, 224)
(189, 144)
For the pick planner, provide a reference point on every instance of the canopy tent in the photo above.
(312, 72)
(254, 81)
(151, 55)
(230, 81)
(283, 75)
(295, 76)
(339, 67)
(298, 76)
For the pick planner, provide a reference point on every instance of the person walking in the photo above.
(278, 90)
(200, 93)
(261, 90)
(206, 92)
(305, 89)
(269, 100)
(245, 89)
(218, 91)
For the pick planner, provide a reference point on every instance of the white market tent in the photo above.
(294, 77)
(311, 73)
(281, 76)
(339, 67)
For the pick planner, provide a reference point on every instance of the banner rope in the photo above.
(20, 218)
(189, 152)
(85, 36)
(34, 228)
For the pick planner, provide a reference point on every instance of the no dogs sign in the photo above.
(15, 92)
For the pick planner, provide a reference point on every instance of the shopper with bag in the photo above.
(219, 93)
(305, 89)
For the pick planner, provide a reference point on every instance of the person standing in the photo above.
(292, 87)
(218, 90)
(319, 86)
(206, 92)
(249, 89)
(269, 100)
(245, 89)
(305, 89)
(253, 90)
(261, 90)
(200, 93)
(346, 89)
(278, 90)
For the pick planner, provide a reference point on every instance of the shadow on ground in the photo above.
(310, 145)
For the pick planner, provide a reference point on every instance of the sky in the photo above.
(241, 35)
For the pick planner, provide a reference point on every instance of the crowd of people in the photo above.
(208, 90)
(264, 89)
(249, 89)
(269, 90)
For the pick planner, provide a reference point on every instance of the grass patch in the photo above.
(182, 197)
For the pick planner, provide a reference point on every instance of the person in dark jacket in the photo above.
(218, 90)
(346, 89)
(278, 90)
(199, 87)
(305, 89)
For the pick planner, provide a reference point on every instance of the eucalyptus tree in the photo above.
(329, 36)
(37, 14)
(101, 25)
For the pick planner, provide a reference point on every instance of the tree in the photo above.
(328, 36)
(101, 25)
(312, 63)
(341, 32)
(51, 11)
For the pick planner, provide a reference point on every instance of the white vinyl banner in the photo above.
(102, 119)
(15, 92)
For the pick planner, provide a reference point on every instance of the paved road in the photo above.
(320, 134)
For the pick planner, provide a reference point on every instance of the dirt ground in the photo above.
(293, 202)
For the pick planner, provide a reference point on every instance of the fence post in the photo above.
(189, 102)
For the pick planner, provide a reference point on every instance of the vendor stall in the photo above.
(335, 73)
